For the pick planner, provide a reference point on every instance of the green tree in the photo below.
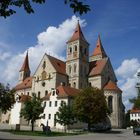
(127, 119)
(136, 102)
(65, 115)
(6, 98)
(32, 110)
(7, 7)
(90, 106)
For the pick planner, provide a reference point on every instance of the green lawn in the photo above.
(40, 133)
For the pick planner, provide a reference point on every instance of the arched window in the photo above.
(75, 48)
(74, 85)
(110, 103)
(70, 50)
(69, 69)
(90, 85)
(85, 51)
(44, 74)
(75, 68)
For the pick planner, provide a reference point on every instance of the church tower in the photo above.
(25, 70)
(99, 52)
(77, 63)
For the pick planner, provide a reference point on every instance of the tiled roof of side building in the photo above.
(96, 67)
(24, 98)
(27, 83)
(112, 86)
(59, 65)
(65, 91)
(46, 97)
(135, 111)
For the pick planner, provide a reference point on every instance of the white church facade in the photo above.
(55, 81)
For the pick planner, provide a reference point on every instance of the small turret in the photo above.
(98, 52)
(25, 70)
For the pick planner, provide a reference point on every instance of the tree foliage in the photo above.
(136, 102)
(65, 115)
(6, 98)
(7, 7)
(32, 110)
(90, 106)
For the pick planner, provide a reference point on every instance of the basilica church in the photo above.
(56, 81)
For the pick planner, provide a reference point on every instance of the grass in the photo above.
(40, 133)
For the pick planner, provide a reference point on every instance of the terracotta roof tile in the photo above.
(96, 67)
(46, 97)
(27, 83)
(59, 65)
(99, 50)
(65, 91)
(77, 34)
(24, 98)
(135, 111)
(25, 65)
(112, 86)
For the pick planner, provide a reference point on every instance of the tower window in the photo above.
(69, 69)
(75, 67)
(70, 50)
(85, 51)
(74, 85)
(110, 103)
(75, 48)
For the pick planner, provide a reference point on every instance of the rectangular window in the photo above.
(53, 93)
(49, 117)
(44, 104)
(55, 103)
(44, 116)
(38, 94)
(50, 104)
(28, 93)
(46, 92)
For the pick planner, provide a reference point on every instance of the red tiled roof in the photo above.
(24, 98)
(99, 50)
(27, 83)
(25, 65)
(64, 91)
(135, 111)
(59, 65)
(77, 34)
(96, 67)
(112, 86)
(46, 97)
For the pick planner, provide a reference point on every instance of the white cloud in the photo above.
(52, 41)
(128, 68)
(127, 73)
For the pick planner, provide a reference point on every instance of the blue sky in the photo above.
(117, 22)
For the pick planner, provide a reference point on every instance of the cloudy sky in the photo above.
(117, 22)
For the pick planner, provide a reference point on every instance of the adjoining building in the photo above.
(56, 81)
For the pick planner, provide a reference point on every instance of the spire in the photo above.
(25, 66)
(77, 34)
(99, 50)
